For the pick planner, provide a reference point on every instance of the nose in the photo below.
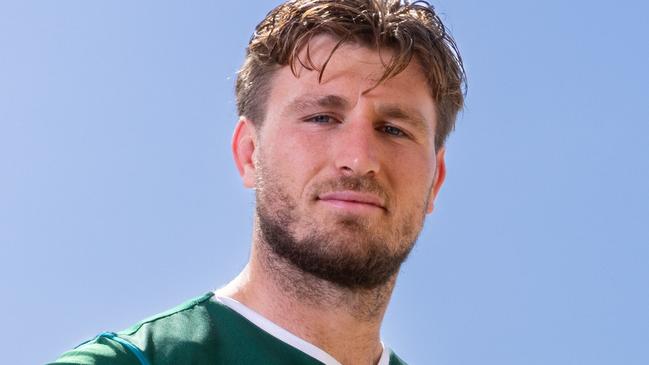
(356, 150)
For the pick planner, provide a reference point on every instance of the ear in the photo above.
(438, 180)
(244, 144)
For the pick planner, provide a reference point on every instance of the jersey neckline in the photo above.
(284, 335)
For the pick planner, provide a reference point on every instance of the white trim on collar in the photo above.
(286, 336)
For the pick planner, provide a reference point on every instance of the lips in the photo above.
(353, 197)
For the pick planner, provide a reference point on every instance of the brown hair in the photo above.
(408, 29)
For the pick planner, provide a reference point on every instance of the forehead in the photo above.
(327, 53)
(351, 72)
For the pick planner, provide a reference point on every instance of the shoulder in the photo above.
(101, 350)
(396, 360)
(158, 339)
(185, 329)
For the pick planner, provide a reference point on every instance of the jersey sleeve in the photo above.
(99, 351)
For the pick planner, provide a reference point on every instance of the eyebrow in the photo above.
(307, 102)
(410, 116)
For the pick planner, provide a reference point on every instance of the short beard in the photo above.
(321, 253)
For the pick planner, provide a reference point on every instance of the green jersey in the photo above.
(206, 330)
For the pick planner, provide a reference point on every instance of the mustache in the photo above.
(361, 184)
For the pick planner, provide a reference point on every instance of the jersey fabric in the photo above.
(201, 331)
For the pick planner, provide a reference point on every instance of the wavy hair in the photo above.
(409, 30)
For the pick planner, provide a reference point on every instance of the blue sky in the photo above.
(119, 198)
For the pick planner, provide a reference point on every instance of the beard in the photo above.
(351, 252)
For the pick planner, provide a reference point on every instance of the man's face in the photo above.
(344, 172)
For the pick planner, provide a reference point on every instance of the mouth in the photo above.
(353, 201)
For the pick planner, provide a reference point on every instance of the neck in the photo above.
(343, 322)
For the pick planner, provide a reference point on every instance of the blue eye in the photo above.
(394, 131)
(320, 119)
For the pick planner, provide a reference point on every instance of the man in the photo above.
(345, 106)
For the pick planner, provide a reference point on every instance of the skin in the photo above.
(313, 134)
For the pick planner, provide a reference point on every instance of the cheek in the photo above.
(412, 174)
(296, 160)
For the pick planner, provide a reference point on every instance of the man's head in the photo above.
(410, 31)
(342, 104)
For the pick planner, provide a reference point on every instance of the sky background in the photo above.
(119, 198)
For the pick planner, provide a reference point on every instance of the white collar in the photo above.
(286, 336)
